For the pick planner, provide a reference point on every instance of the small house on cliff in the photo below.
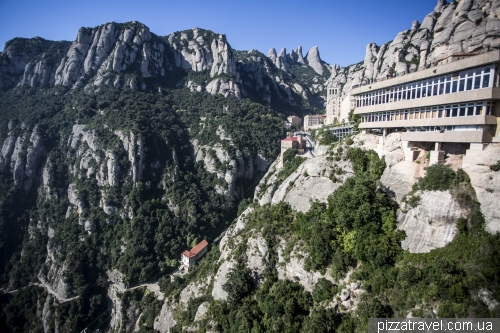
(192, 256)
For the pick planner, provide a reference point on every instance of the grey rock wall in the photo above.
(486, 183)
(432, 224)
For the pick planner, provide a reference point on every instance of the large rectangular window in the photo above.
(448, 87)
(479, 110)
(486, 80)
(462, 111)
(469, 83)
(477, 82)
(461, 85)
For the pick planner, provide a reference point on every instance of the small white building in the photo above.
(192, 256)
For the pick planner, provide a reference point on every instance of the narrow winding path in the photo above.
(51, 291)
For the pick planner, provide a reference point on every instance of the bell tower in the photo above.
(333, 101)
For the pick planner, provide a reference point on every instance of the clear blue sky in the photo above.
(341, 29)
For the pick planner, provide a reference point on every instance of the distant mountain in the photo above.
(129, 55)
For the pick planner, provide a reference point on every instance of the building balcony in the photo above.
(447, 121)
(481, 136)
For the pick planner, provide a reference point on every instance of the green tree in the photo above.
(238, 284)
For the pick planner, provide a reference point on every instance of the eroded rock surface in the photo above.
(486, 183)
(432, 224)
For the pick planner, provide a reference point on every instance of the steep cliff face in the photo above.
(35, 58)
(115, 54)
(23, 152)
(97, 183)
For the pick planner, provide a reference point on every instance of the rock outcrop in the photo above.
(432, 224)
(217, 161)
(24, 154)
(314, 60)
(486, 184)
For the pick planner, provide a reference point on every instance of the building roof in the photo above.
(195, 250)
(292, 138)
(315, 115)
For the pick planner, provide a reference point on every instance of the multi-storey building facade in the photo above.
(313, 121)
(453, 102)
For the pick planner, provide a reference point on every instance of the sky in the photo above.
(340, 29)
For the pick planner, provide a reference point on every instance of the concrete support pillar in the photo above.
(411, 153)
(380, 146)
(437, 155)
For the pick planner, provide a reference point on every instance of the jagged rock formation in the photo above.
(314, 60)
(440, 208)
(23, 154)
(126, 55)
(237, 168)
(104, 55)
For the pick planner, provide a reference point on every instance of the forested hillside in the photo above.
(111, 180)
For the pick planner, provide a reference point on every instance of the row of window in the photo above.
(477, 78)
(341, 132)
(442, 111)
(445, 128)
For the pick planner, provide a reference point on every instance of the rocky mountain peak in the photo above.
(282, 53)
(440, 5)
(300, 58)
(272, 53)
(415, 25)
(314, 60)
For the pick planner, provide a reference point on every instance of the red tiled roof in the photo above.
(291, 138)
(195, 250)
